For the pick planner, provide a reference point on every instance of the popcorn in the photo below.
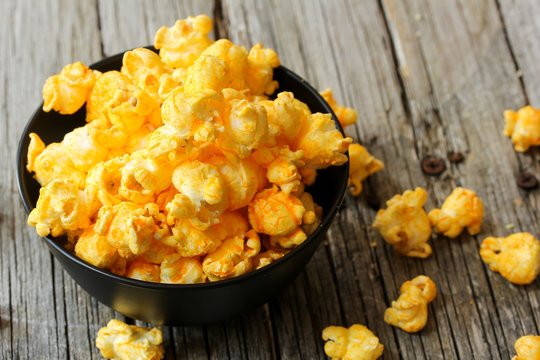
(345, 115)
(184, 161)
(523, 127)
(361, 165)
(67, 91)
(181, 44)
(356, 342)
(462, 208)
(61, 206)
(119, 341)
(516, 257)
(405, 224)
(527, 348)
(142, 270)
(410, 311)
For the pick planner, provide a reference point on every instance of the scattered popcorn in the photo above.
(405, 225)
(361, 165)
(345, 115)
(523, 127)
(68, 91)
(410, 311)
(516, 257)
(186, 171)
(527, 348)
(357, 342)
(119, 341)
(462, 208)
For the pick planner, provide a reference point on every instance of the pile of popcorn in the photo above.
(186, 170)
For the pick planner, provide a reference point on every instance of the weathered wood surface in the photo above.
(427, 77)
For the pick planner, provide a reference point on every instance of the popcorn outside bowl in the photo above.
(190, 304)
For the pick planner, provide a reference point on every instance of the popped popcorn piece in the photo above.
(361, 165)
(313, 215)
(95, 249)
(267, 257)
(523, 127)
(527, 348)
(274, 212)
(142, 270)
(103, 184)
(515, 257)
(143, 178)
(181, 44)
(405, 225)
(462, 208)
(260, 64)
(345, 115)
(410, 311)
(234, 57)
(128, 227)
(119, 341)
(61, 206)
(67, 91)
(176, 269)
(233, 257)
(82, 149)
(287, 115)
(357, 342)
(145, 69)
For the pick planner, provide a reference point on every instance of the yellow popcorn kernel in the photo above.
(240, 177)
(290, 240)
(184, 113)
(288, 115)
(127, 226)
(35, 148)
(527, 348)
(523, 127)
(462, 208)
(116, 99)
(208, 73)
(145, 68)
(82, 149)
(235, 57)
(119, 341)
(345, 115)
(275, 213)
(181, 44)
(157, 251)
(67, 91)
(246, 128)
(313, 215)
(260, 70)
(142, 270)
(410, 311)
(103, 184)
(167, 85)
(361, 165)
(202, 184)
(108, 137)
(181, 270)
(52, 163)
(405, 225)
(61, 206)
(515, 257)
(233, 257)
(357, 342)
(142, 178)
(166, 144)
(267, 257)
(95, 249)
(190, 240)
(322, 143)
(283, 171)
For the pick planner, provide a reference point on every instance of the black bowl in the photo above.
(191, 304)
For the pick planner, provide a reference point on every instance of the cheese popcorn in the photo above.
(181, 44)
(119, 341)
(516, 257)
(67, 91)
(523, 127)
(357, 342)
(189, 169)
(361, 165)
(527, 348)
(345, 115)
(405, 225)
(61, 206)
(410, 311)
(462, 208)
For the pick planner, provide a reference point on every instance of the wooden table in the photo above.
(428, 77)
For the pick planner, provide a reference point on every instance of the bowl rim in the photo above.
(50, 241)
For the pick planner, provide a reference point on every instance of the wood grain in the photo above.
(427, 78)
